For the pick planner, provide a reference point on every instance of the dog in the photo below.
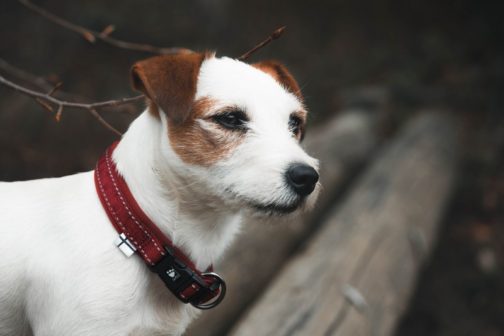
(218, 142)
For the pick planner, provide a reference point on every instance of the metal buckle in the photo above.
(177, 276)
(216, 300)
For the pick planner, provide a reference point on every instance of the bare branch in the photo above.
(43, 84)
(56, 101)
(54, 89)
(102, 121)
(36, 81)
(273, 36)
(25, 76)
(46, 99)
(91, 35)
(49, 102)
(44, 105)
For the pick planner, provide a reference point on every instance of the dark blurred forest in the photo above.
(447, 54)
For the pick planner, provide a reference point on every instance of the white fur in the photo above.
(61, 274)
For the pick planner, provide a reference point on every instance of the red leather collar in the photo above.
(203, 290)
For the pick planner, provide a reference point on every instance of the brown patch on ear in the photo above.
(280, 73)
(169, 81)
(153, 109)
(197, 145)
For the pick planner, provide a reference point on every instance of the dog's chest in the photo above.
(162, 314)
(78, 283)
(159, 313)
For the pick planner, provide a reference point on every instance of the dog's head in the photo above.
(233, 128)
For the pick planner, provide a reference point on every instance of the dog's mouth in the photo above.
(275, 208)
(270, 208)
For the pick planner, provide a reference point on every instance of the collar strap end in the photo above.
(202, 290)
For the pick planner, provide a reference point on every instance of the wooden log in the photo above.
(356, 274)
(342, 145)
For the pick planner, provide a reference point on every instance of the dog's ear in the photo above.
(169, 81)
(280, 73)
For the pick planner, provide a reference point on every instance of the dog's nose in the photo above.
(302, 178)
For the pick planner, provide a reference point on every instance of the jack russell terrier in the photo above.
(219, 141)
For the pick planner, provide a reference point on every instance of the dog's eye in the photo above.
(232, 119)
(295, 125)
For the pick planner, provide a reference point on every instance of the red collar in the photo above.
(137, 233)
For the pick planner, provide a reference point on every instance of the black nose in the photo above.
(302, 178)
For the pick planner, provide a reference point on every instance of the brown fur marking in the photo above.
(170, 82)
(153, 109)
(200, 146)
(280, 73)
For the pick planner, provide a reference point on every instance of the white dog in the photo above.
(219, 141)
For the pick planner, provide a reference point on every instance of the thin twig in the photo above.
(46, 106)
(35, 81)
(91, 35)
(57, 116)
(46, 99)
(86, 106)
(273, 36)
(49, 107)
(91, 108)
(42, 84)
(101, 121)
(25, 76)
(54, 89)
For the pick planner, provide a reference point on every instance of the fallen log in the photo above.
(342, 145)
(354, 277)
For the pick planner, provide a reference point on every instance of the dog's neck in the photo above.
(178, 207)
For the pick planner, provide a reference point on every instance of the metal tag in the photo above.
(125, 245)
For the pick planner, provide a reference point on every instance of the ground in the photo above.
(461, 290)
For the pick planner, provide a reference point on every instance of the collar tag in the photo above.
(125, 245)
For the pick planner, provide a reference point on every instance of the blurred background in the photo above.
(426, 54)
